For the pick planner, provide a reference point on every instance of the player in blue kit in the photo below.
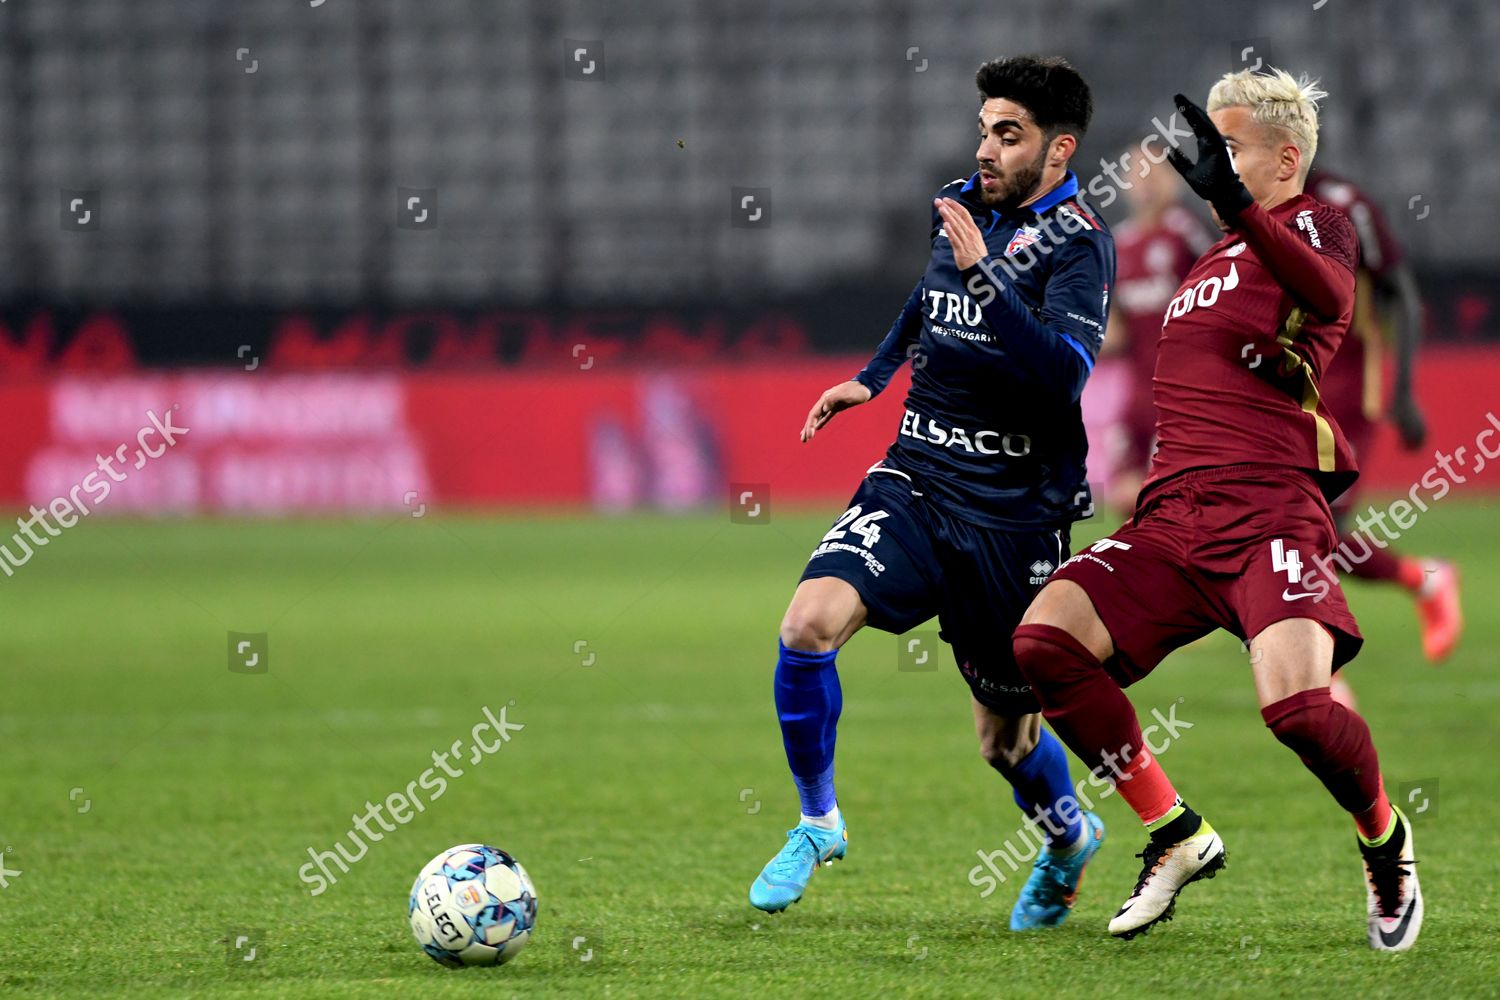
(969, 511)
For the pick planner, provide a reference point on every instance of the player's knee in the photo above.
(1302, 722)
(809, 629)
(1030, 653)
(1042, 653)
(1005, 751)
(1066, 607)
(1298, 730)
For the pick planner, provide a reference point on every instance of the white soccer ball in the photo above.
(472, 905)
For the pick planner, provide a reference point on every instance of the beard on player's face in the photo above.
(1016, 183)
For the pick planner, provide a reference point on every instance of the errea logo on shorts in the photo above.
(1202, 294)
(1040, 570)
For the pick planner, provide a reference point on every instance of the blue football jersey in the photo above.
(993, 429)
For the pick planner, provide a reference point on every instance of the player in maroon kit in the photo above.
(1155, 247)
(1235, 506)
(1353, 387)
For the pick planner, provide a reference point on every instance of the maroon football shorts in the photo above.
(1231, 548)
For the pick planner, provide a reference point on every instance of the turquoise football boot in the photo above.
(783, 880)
(1048, 895)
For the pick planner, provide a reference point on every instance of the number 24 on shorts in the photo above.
(862, 525)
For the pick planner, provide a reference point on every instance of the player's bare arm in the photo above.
(834, 400)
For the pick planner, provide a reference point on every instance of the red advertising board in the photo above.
(608, 436)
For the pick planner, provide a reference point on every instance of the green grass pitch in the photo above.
(157, 805)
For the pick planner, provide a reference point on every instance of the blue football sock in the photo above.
(808, 702)
(1040, 782)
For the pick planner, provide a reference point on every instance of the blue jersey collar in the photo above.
(1067, 189)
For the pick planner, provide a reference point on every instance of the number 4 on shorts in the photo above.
(1288, 561)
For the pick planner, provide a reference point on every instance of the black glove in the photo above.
(1212, 178)
(1408, 420)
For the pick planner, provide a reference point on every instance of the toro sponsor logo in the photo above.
(1201, 294)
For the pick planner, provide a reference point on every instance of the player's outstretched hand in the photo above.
(1213, 177)
(963, 234)
(840, 397)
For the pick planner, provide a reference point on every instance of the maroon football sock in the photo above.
(1087, 709)
(1335, 745)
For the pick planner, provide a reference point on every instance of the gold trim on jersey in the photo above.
(1293, 363)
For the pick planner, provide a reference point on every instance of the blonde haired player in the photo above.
(1278, 99)
(1234, 513)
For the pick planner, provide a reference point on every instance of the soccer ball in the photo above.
(472, 905)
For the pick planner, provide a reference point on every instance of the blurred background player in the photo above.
(1155, 247)
(1387, 307)
(970, 509)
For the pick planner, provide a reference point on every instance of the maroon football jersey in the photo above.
(1246, 340)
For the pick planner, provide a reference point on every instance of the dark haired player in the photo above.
(969, 510)
(1235, 507)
